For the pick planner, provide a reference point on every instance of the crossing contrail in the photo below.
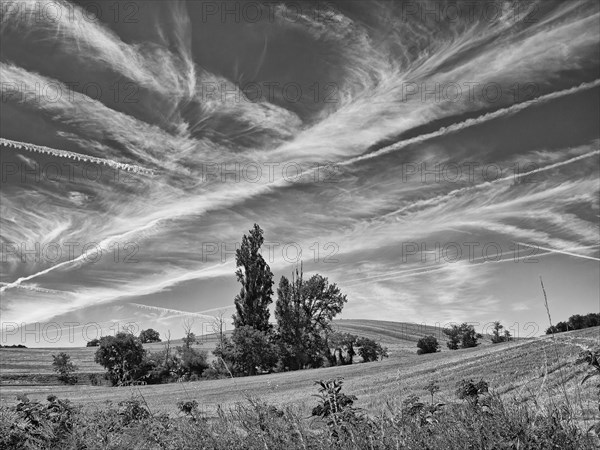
(9, 143)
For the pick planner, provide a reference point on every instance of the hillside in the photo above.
(523, 368)
(21, 365)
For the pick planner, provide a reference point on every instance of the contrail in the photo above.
(475, 121)
(456, 192)
(442, 131)
(441, 266)
(72, 155)
(174, 311)
(563, 252)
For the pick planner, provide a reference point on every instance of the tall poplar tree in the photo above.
(252, 303)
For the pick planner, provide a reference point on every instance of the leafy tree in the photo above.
(497, 335)
(149, 335)
(304, 311)
(427, 344)
(369, 350)
(507, 336)
(464, 334)
(189, 362)
(468, 336)
(252, 350)
(62, 365)
(122, 356)
(224, 364)
(252, 303)
(189, 338)
(453, 334)
(93, 343)
(576, 322)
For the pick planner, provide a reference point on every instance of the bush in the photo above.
(190, 362)
(149, 335)
(30, 424)
(252, 350)
(428, 344)
(463, 334)
(62, 365)
(369, 350)
(122, 356)
(470, 391)
(93, 343)
(188, 407)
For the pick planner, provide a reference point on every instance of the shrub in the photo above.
(93, 343)
(122, 356)
(253, 350)
(62, 365)
(427, 344)
(190, 362)
(149, 335)
(470, 391)
(132, 410)
(35, 425)
(188, 407)
(336, 408)
(369, 350)
(463, 334)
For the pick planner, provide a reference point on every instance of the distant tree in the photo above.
(189, 338)
(122, 356)
(252, 350)
(453, 334)
(468, 336)
(427, 344)
(93, 343)
(224, 364)
(190, 362)
(507, 336)
(370, 350)
(576, 322)
(149, 335)
(62, 365)
(462, 334)
(252, 303)
(304, 311)
(497, 335)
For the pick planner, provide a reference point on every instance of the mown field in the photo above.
(540, 369)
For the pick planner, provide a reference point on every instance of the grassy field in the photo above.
(533, 368)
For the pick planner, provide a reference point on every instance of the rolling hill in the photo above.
(532, 367)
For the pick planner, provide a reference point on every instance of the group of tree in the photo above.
(576, 322)
(302, 337)
(461, 336)
(498, 336)
(127, 361)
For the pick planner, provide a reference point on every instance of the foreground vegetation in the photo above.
(479, 419)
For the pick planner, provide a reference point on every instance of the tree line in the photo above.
(575, 322)
(302, 336)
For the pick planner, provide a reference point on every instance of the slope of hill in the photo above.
(534, 367)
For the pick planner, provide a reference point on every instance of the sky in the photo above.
(433, 159)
